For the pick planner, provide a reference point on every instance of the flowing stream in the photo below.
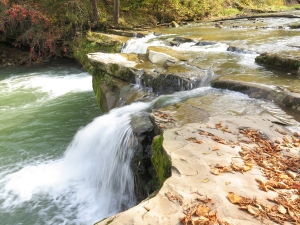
(63, 163)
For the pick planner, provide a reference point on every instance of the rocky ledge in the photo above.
(277, 94)
(157, 71)
(236, 170)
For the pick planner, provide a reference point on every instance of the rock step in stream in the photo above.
(225, 171)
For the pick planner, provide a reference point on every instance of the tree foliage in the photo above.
(45, 26)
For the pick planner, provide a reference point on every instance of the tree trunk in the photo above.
(116, 11)
(95, 15)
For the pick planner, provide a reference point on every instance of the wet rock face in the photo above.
(158, 71)
(179, 40)
(239, 49)
(205, 43)
(141, 163)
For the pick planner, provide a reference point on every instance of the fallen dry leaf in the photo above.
(173, 197)
(281, 132)
(216, 148)
(197, 141)
(286, 139)
(234, 198)
(205, 180)
(253, 210)
(295, 134)
(202, 210)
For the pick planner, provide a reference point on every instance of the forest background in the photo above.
(49, 28)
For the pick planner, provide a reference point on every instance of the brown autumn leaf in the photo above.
(281, 209)
(173, 197)
(262, 185)
(295, 134)
(253, 210)
(202, 210)
(215, 171)
(226, 129)
(233, 198)
(291, 174)
(216, 148)
(206, 200)
(292, 214)
(223, 222)
(197, 141)
(281, 132)
(199, 220)
(218, 125)
(202, 132)
(190, 138)
(295, 140)
(286, 139)
(247, 168)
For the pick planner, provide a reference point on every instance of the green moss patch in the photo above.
(161, 162)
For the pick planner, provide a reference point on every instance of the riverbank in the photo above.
(11, 56)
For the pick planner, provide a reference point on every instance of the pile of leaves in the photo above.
(198, 212)
(280, 169)
(162, 119)
(281, 172)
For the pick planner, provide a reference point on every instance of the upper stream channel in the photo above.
(61, 162)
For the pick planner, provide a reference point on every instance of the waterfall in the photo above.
(100, 155)
(91, 181)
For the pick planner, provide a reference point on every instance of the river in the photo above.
(59, 158)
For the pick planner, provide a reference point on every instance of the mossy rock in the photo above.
(161, 162)
(284, 63)
(99, 94)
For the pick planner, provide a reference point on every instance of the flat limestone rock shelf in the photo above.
(229, 170)
(156, 70)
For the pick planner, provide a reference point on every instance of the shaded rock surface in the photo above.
(11, 57)
(141, 162)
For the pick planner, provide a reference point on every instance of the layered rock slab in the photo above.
(193, 156)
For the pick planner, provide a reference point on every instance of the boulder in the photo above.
(204, 43)
(288, 63)
(117, 65)
(179, 40)
(238, 49)
(183, 39)
(160, 58)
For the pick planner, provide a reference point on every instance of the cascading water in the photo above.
(92, 181)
